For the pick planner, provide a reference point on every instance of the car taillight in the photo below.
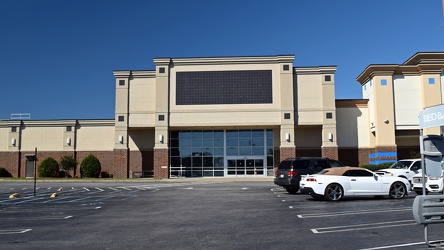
(276, 173)
(310, 179)
(292, 173)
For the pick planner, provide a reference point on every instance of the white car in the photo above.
(335, 183)
(403, 168)
(432, 184)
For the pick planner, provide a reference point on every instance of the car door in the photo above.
(363, 182)
(414, 169)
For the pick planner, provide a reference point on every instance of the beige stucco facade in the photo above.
(179, 118)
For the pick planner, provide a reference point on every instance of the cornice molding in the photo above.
(315, 70)
(234, 60)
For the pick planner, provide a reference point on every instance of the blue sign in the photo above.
(431, 117)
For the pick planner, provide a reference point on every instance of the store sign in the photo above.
(431, 117)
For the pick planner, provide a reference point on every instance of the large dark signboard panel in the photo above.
(224, 87)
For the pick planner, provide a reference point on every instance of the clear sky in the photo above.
(57, 56)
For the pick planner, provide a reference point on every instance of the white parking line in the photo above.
(105, 198)
(395, 246)
(352, 213)
(101, 190)
(363, 226)
(14, 231)
(127, 198)
(36, 218)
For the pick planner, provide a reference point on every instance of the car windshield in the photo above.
(401, 164)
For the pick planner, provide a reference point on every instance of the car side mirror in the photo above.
(414, 168)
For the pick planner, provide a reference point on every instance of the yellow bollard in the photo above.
(60, 189)
(14, 195)
(53, 195)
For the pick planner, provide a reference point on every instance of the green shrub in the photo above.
(90, 167)
(68, 163)
(373, 167)
(4, 173)
(48, 168)
(386, 164)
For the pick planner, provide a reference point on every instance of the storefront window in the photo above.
(205, 153)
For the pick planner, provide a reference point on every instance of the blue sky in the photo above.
(57, 56)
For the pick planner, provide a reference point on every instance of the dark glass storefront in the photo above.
(221, 153)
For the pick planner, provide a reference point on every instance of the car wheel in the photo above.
(292, 190)
(397, 190)
(334, 192)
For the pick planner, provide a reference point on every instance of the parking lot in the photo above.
(204, 214)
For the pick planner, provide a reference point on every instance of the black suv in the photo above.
(288, 174)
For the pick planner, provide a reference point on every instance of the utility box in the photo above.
(432, 147)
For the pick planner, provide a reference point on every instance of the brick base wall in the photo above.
(408, 152)
(385, 149)
(113, 162)
(142, 161)
(287, 152)
(42, 155)
(161, 163)
(10, 161)
(330, 152)
(308, 152)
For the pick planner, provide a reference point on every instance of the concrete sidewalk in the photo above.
(200, 179)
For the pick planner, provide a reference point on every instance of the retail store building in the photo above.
(237, 117)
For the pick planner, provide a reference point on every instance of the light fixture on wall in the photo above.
(121, 139)
(330, 136)
(161, 138)
(68, 141)
(287, 136)
(13, 142)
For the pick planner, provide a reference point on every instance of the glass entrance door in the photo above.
(245, 167)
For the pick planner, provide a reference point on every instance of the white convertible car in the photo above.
(335, 183)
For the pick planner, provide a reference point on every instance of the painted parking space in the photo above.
(360, 216)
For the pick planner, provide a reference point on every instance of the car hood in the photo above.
(392, 170)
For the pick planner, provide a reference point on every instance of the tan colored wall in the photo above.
(353, 127)
(95, 138)
(4, 142)
(308, 136)
(42, 138)
(142, 105)
(407, 97)
(309, 99)
(141, 139)
(384, 111)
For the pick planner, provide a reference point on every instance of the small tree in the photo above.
(48, 168)
(90, 167)
(68, 163)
